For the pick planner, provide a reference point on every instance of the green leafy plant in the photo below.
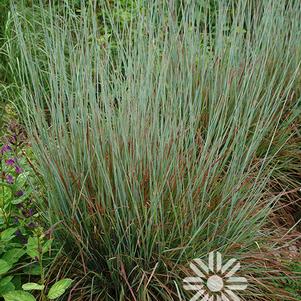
(292, 282)
(24, 243)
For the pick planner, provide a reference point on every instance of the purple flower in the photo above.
(5, 148)
(10, 162)
(16, 221)
(23, 240)
(9, 179)
(19, 193)
(28, 213)
(18, 170)
(18, 233)
(31, 225)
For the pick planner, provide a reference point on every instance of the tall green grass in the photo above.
(160, 137)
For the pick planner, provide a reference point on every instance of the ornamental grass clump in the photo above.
(159, 137)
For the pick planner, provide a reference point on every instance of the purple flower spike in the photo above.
(31, 225)
(9, 179)
(23, 240)
(19, 193)
(28, 213)
(10, 162)
(18, 170)
(5, 148)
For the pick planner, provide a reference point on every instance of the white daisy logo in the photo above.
(215, 282)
